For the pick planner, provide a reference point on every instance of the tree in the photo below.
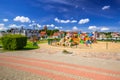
(56, 30)
(108, 35)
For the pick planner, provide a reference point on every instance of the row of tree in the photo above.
(50, 32)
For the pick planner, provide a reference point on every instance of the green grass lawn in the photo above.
(42, 41)
(30, 46)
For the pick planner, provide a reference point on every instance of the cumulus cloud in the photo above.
(51, 25)
(104, 29)
(38, 25)
(5, 20)
(75, 28)
(22, 19)
(60, 27)
(105, 7)
(15, 26)
(94, 28)
(2, 27)
(74, 21)
(33, 21)
(83, 21)
(57, 20)
(56, 27)
(30, 25)
(65, 21)
(35, 24)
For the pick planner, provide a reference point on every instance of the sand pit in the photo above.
(98, 50)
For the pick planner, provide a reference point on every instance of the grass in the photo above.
(42, 41)
(30, 46)
(0, 41)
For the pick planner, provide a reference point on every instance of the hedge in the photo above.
(13, 41)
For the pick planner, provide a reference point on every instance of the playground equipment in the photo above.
(77, 39)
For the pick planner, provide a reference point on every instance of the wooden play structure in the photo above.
(76, 39)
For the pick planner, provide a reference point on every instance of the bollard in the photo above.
(106, 45)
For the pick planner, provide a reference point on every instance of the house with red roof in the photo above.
(43, 34)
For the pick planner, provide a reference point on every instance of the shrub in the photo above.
(13, 42)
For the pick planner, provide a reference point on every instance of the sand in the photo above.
(98, 50)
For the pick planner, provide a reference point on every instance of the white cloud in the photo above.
(105, 7)
(33, 21)
(38, 25)
(57, 20)
(73, 21)
(83, 21)
(75, 28)
(34, 24)
(60, 27)
(2, 27)
(104, 29)
(22, 19)
(65, 21)
(94, 28)
(30, 25)
(5, 20)
(56, 27)
(15, 26)
(51, 25)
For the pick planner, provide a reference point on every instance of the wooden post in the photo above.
(106, 45)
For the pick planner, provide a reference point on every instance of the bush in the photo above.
(13, 42)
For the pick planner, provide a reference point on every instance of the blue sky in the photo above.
(84, 15)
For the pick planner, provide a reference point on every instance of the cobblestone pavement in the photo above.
(14, 67)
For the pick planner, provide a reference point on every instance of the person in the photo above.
(86, 39)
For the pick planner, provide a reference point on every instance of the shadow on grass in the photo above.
(0, 46)
(25, 48)
(30, 48)
(2, 50)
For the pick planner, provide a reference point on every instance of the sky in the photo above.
(67, 15)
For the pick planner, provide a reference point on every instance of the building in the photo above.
(58, 34)
(43, 34)
(115, 35)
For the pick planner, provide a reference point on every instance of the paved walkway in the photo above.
(57, 70)
(49, 63)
